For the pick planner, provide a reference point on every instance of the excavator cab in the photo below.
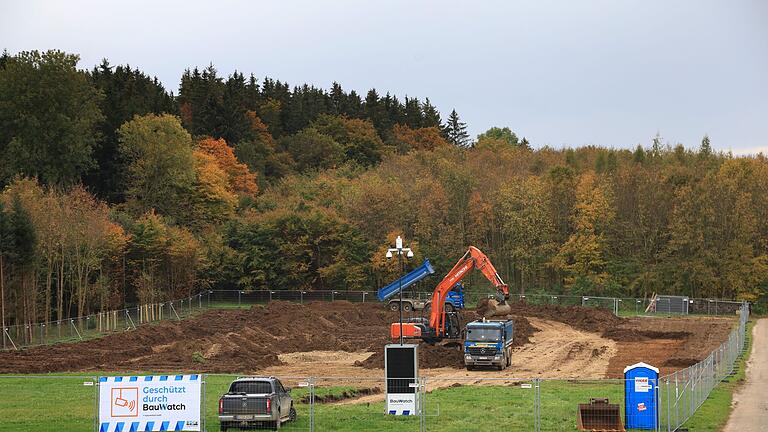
(418, 328)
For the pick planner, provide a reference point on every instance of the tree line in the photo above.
(117, 192)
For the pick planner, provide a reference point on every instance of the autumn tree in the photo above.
(239, 178)
(127, 92)
(504, 135)
(160, 165)
(426, 138)
(583, 256)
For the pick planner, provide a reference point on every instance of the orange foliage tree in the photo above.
(240, 179)
(428, 138)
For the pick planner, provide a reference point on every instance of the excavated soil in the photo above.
(218, 340)
(670, 344)
(329, 339)
(587, 319)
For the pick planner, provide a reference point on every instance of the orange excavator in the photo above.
(446, 325)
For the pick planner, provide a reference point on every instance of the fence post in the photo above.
(311, 382)
(537, 404)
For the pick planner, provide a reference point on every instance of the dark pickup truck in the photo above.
(256, 401)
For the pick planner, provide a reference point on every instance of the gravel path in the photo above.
(751, 405)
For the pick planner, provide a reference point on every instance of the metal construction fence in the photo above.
(445, 403)
(94, 325)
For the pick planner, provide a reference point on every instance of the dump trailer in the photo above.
(488, 343)
(454, 300)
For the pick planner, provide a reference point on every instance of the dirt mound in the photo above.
(218, 340)
(450, 355)
(582, 318)
(680, 362)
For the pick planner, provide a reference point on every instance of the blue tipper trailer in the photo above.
(641, 396)
(404, 282)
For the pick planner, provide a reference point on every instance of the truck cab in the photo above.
(455, 297)
(488, 343)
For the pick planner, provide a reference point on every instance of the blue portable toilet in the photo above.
(641, 398)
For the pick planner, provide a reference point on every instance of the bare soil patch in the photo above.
(670, 344)
(343, 339)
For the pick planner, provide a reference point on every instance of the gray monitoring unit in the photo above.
(401, 369)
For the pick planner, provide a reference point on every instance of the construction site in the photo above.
(576, 356)
(346, 339)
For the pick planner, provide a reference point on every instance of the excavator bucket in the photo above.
(600, 416)
(491, 307)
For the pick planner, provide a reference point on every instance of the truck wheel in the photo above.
(292, 414)
(449, 307)
(393, 306)
(407, 307)
(223, 428)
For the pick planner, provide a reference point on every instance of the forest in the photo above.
(116, 191)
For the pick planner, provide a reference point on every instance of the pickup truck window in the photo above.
(483, 334)
(251, 387)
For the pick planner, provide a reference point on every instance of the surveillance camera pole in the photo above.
(399, 249)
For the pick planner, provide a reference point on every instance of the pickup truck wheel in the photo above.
(223, 428)
(394, 306)
(292, 414)
(407, 307)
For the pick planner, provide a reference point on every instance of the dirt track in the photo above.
(751, 409)
(283, 339)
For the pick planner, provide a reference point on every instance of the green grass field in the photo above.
(68, 405)
(64, 404)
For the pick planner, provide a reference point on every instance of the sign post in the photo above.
(401, 369)
(150, 403)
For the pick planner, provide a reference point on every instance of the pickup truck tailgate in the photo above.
(245, 405)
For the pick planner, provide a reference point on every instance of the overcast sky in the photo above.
(562, 73)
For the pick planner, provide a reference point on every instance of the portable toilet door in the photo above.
(641, 398)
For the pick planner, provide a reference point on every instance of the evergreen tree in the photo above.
(49, 115)
(456, 131)
(705, 150)
(431, 115)
(413, 113)
(126, 93)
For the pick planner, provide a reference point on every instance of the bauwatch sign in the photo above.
(149, 403)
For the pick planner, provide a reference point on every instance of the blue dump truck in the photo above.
(488, 343)
(454, 300)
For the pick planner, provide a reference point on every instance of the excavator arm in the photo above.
(435, 329)
(472, 259)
